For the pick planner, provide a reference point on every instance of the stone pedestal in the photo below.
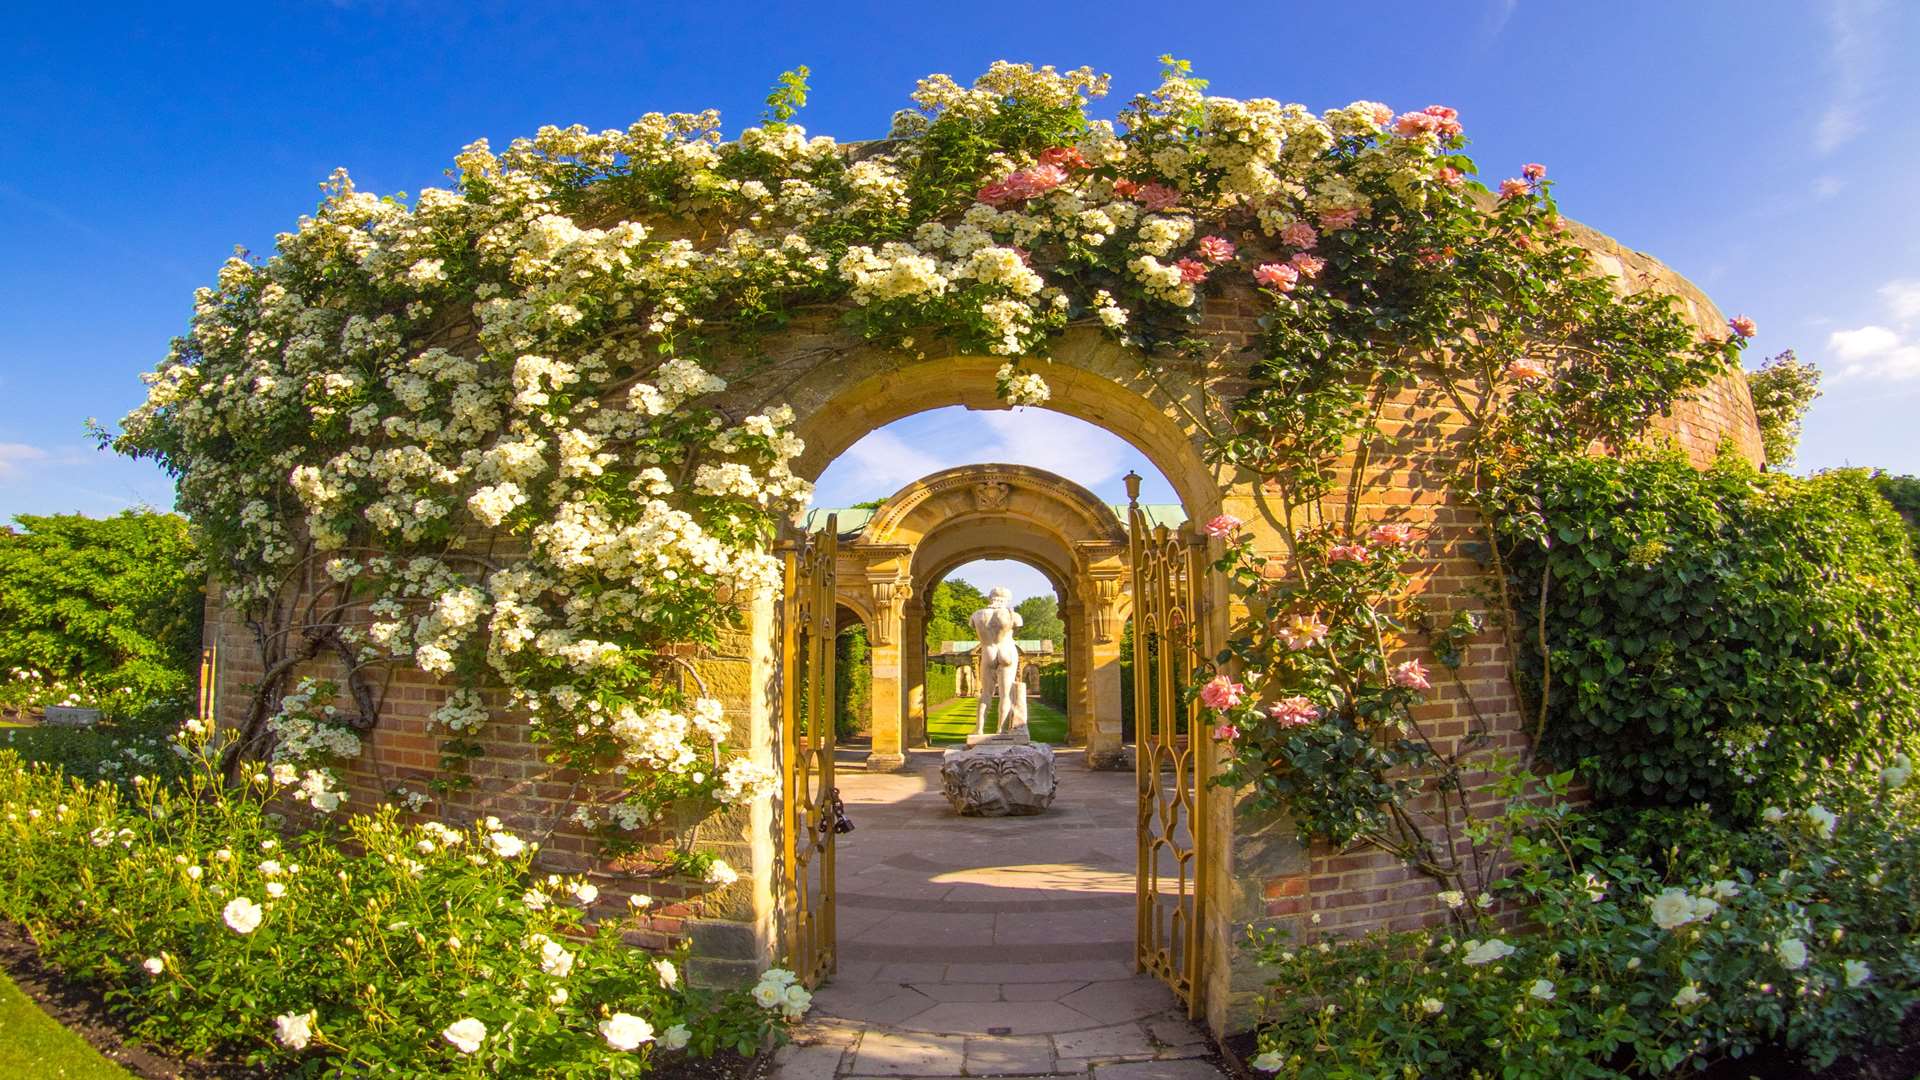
(999, 778)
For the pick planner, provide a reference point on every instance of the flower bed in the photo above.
(379, 947)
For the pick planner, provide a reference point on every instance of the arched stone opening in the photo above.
(891, 561)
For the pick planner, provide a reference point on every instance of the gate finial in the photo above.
(1133, 488)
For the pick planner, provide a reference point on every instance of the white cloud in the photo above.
(1855, 52)
(1826, 187)
(1875, 352)
(883, 463)
(1059, 443)
(14, 455)
(1902, 298)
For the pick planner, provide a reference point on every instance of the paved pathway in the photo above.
(990, 947)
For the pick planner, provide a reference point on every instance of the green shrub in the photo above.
(1783, 389)
(99, 610)
(943, 684)
(1797, 939)
(212, 933)
(853, 682)
(1720, 635)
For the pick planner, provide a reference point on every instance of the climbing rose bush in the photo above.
(386, 948)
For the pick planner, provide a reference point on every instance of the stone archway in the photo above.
(890, 561)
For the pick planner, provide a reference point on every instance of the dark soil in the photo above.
(1901, 1062)
(80, 1009)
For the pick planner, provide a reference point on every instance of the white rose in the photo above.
(242, 915)
(1453, 898)
(1822, 820)
(1269, 1061)
(1432, 1006)
(295, 1030)
(154, 965)
(1792, 953)
(625, 1031)
(1688, 996)
(1672, 908)
(669, 975)
(505, 844)
(555, 960)
(466, 1035)
(1493, 949)
(676, 1037)
(767, 995)
(1857, 973)
(1541, 989)
(586, 893)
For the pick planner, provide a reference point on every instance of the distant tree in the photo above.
(101, 606)
(1904, 493)
(1040, 619)
(952, 601)
(1783, 390)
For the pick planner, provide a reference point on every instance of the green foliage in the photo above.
(1040, 620)
(388, 933)
(99, 610)
(1783, 390)
(942, 684)
(1053, 685)
(1654, 951)
(789, 96)
(853, 682)
(1725, 636)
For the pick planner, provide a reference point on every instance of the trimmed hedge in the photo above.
(1723, 635)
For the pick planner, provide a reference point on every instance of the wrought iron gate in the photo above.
(807, 794)
(1171, 749)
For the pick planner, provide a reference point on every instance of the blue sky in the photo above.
(1765, 150)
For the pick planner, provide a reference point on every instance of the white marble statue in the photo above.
(999, 660)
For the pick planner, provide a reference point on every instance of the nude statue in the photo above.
(999, 658)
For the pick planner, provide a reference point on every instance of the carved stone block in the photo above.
(999, 779)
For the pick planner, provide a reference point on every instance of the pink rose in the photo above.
(1450, 176)
(1192, 271)
(1381, 114)
(1299, 234)
(1347, 553)
(1445, 121)
(1215, 249)
(1742, 326)
(1295, 711)
(1393, 535)
(1066, 157)
(1157, 197)
(1412, 676)
(1415, 125)
(1303, 630)
(1279, 276)
(1226, 733)
(1126, 188)
(1534, 171)
(1023, 185)
(1514, 188)
(1221, 693)
(1309, 266)
(1339, 218)
(1527, 370)
(1223, 525)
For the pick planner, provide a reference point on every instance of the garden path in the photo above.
(990, 947)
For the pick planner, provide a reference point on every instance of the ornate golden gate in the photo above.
(1172, 752)
(807, 796)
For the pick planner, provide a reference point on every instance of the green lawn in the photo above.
(953, 722)
(34, 1044)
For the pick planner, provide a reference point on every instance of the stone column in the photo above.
(913, 652)
(1104, 685)
(887, 711)
(890, 596)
